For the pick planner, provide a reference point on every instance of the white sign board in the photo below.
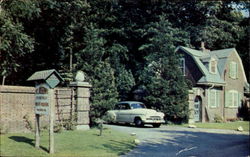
(42, 102)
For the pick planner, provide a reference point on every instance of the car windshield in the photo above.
(137, 105)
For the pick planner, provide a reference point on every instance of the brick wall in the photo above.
(15, 103)
(17, 107)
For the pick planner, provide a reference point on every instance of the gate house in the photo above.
(219, 82)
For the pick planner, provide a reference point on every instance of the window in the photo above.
(233, 70)
(233, 99)
(182, 66)
(122, 107)
(134, 106)
(213, 98)
(213, 66)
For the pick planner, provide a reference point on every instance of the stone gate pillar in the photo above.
(191, 106)
(82, 96)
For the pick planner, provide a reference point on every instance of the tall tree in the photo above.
(165, 85)
(91, 59)
(15, 43)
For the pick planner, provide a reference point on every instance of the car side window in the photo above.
(117, 107)
(122, 107)
(127, 107)
(134, 106)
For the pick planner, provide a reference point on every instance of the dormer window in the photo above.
(182, 66)
(213, 66)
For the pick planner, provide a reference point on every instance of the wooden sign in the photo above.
(46, 80)
(42, 101)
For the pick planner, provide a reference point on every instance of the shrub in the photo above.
(69, 125)
(58, 128)
(28, 121)
(218, 119)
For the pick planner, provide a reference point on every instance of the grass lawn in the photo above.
(68, 144)
(227, 125)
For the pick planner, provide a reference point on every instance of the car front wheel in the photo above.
(138, 122)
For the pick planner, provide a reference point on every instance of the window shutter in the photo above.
(236, 99)
(233, 71)
(239, 99)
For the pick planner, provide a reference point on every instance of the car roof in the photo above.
(129, 102)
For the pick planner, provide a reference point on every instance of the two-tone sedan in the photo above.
(135, 112)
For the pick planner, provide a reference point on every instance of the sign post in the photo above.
(42, 107)
(51, 122)
(37, 137)
(44, 102)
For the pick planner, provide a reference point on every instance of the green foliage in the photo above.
(58, 128)
(92, 52)
(15, 44)
(166, 87)
(69, 125)
(22, 10)
(91, 59)
(67, 75)
(218, 119)
(28, 123)
(124, 82)
(103, 93)
(129, 44)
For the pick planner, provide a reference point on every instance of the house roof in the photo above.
(202, 59)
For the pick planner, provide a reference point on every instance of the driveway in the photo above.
(186, 142)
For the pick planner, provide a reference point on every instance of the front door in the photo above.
(197, 109)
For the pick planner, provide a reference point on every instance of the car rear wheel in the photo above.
(156, 125)
(138, 122)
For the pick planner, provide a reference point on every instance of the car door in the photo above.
(123, 114)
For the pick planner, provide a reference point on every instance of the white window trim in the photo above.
(235, 98)
(233, 64)
(216, 103)
(182, 63)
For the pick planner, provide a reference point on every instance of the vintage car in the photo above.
(135, 112)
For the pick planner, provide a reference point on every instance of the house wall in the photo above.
(207, 113)
(194, 74)
(211, 112)
(233, 84)
(191, 97)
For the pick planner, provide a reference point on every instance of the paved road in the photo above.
(170, 141)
